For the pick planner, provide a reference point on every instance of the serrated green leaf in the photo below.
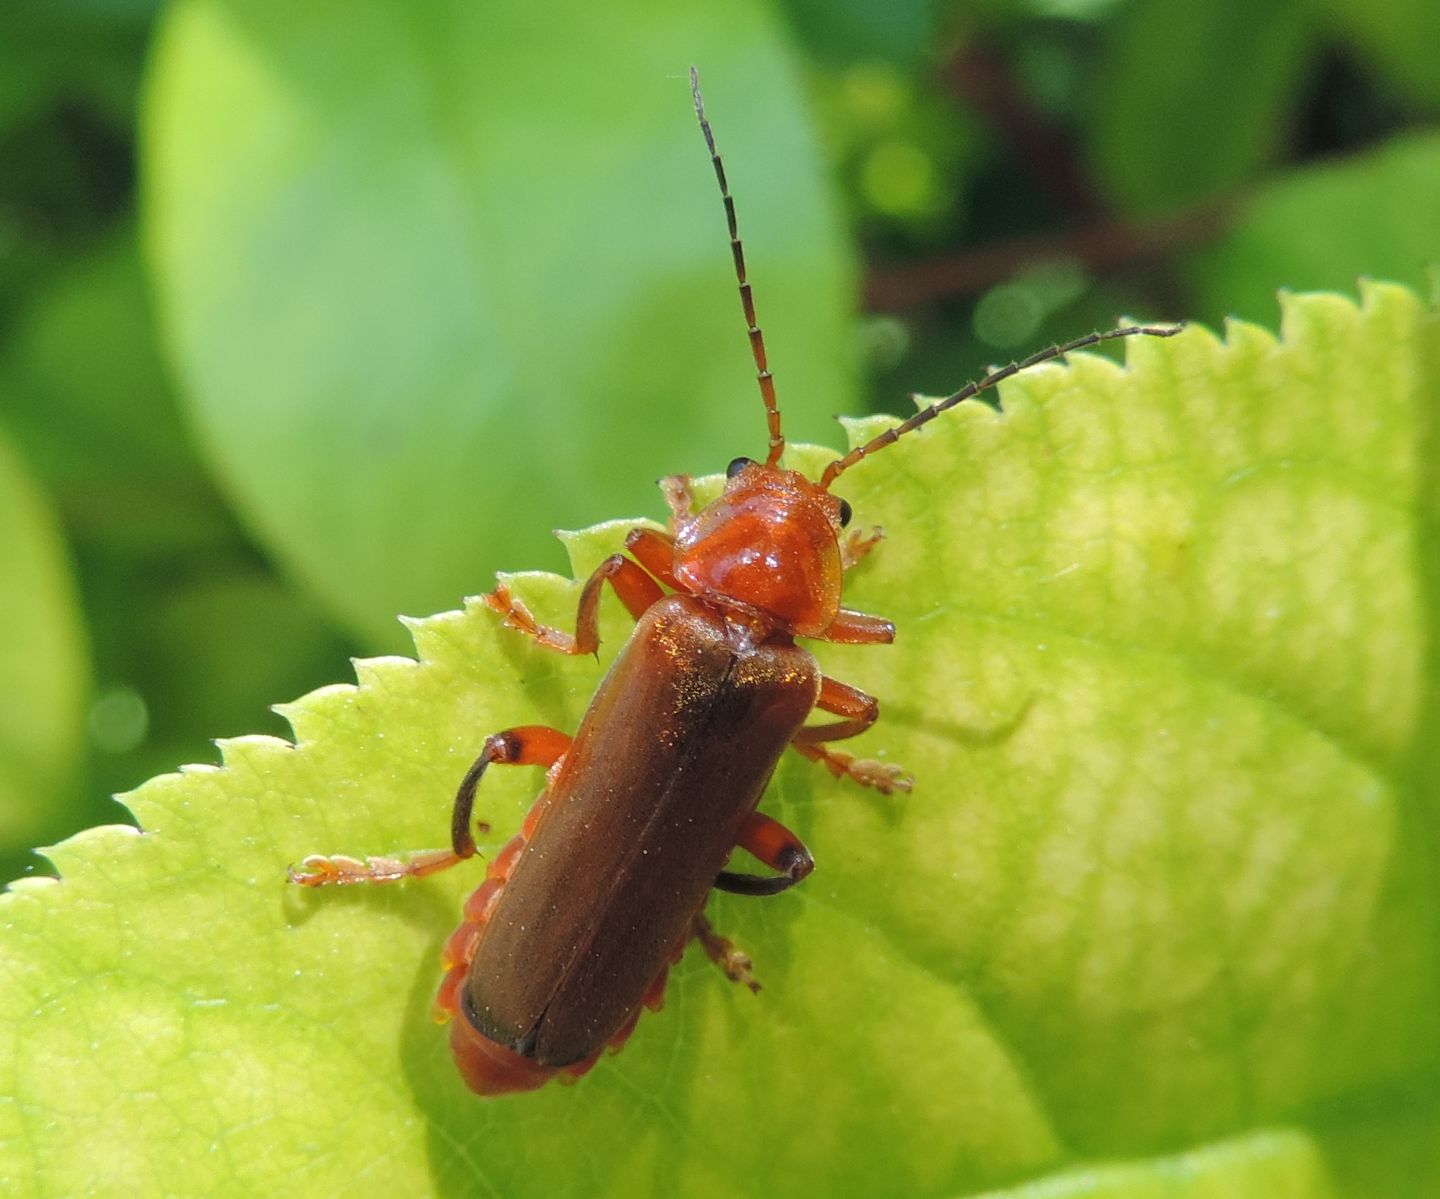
(410, 253)
(44, 674)
(1157, 920)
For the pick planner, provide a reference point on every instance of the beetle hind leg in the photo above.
(735, 962)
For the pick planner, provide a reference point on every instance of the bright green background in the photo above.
(309, 317)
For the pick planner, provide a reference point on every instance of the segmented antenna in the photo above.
(757, 339)
(892, 435)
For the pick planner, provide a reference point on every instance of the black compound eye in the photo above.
(845, 513)
(737, 466)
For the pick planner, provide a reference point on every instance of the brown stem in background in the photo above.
(1045, 150)
(1099, 246)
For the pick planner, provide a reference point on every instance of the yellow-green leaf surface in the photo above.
(1158, 919)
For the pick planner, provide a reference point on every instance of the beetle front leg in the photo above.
(858, 544)
(527, 745)
(655, 552)
(636, 589)
(861, 711)
(679, 498)
(778, 848)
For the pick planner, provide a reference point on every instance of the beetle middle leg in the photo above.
(526, 745)
(861, 711)
(636, 589)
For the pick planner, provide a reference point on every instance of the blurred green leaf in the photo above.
(225, 644)
(84, 354)
(1326, 226)
(190, 654)
(40, 65)
(1158, 919)
(190, 634)
(89, 401)
(128, 12)
(43, 667)
(67, 91)
(899, 31)
(1192, 97)
(1398, 36)
(415, 257)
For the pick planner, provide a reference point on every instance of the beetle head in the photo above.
(769, 544)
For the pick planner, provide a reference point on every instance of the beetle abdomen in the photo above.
(488, 1067)
(671, 757)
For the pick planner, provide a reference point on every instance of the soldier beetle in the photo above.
(582, 913)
